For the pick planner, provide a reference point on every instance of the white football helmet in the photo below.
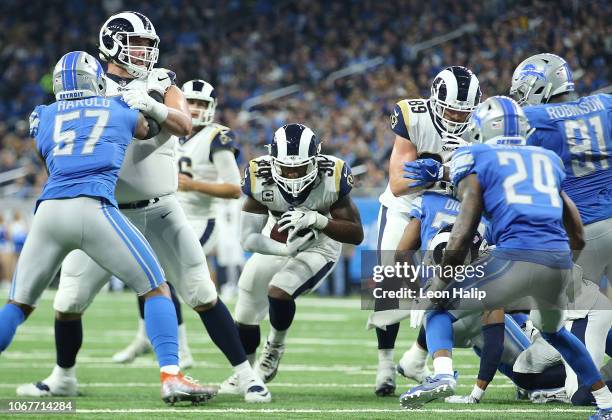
(454, 89)
(116, 43)
(539, 78)
(200, 90)
(293, 153)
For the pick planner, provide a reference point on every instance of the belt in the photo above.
(138, 204)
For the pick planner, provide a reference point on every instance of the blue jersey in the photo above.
(580, 132)
(83, 143)
(435, 211)
(521, 193)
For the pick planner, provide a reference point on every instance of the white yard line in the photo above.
(315, 411)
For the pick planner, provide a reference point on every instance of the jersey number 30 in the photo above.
(64, 139)
(543, 180)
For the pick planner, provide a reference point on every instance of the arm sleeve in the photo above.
(35, 120)
(226, 166)
(251, 238)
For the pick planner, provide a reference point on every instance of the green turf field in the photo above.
(328, 370)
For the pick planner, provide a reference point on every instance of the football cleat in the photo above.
(50, 387)
(179, 387)
(461, 399)
(413, 369)
(230, 386)
(602, 414)
(385, 379)
(434, 387)
(253, 388)
(543, 396)
(267, 365)
(138, 347)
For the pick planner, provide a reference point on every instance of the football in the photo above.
(282, 236)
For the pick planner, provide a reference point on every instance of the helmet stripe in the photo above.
(67, 79)
(510, 118)
(281, 143)
(77, 56)
(305, 138)
(473, 95)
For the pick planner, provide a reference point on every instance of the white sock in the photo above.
(244, 371)
(603, 397)
(142, 330)
(170, 369)
(443, 366)
(417, 354)
(276, 336)
(251, 358)
(60, 372)
(385, 356)
(182, 337)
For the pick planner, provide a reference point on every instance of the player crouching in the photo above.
(302, 198)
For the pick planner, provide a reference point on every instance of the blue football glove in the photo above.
(423, 171)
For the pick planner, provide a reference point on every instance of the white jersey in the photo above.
(149, 168)
(412, 119)
(333, 182)
(194, 159)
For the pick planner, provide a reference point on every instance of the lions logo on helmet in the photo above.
(121, 39)
(455, 93)
(202, 99)
(293, 153)
(499, 120)
(78, 75)
(540, 77)
(437, 245)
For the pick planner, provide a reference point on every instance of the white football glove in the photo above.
(416, 318)
(140, 100)
(296, 220)
(297, 244)
(461, 399)
(160, 81)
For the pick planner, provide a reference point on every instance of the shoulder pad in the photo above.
(223, 139)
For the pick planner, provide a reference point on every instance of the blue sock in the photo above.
(223, 332)
(609, 343)
(10, 317)
(575, 354)
(162, 329)
(439, 331)
(493, 347)
(520, 318)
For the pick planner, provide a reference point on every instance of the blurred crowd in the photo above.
(247, 48)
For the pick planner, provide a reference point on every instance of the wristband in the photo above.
(320, 222)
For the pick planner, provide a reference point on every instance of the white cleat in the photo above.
(138, 347)
(254, 390)
(50, 387)
(267, 365)
(385, 379)
(230, 386)
(413, 369)
(543, 396)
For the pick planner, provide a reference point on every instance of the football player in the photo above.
(580, 132)
(208, 172)
(534, 226)
(83, 138)
(146, 195)
(421, 126)
(299, 192)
